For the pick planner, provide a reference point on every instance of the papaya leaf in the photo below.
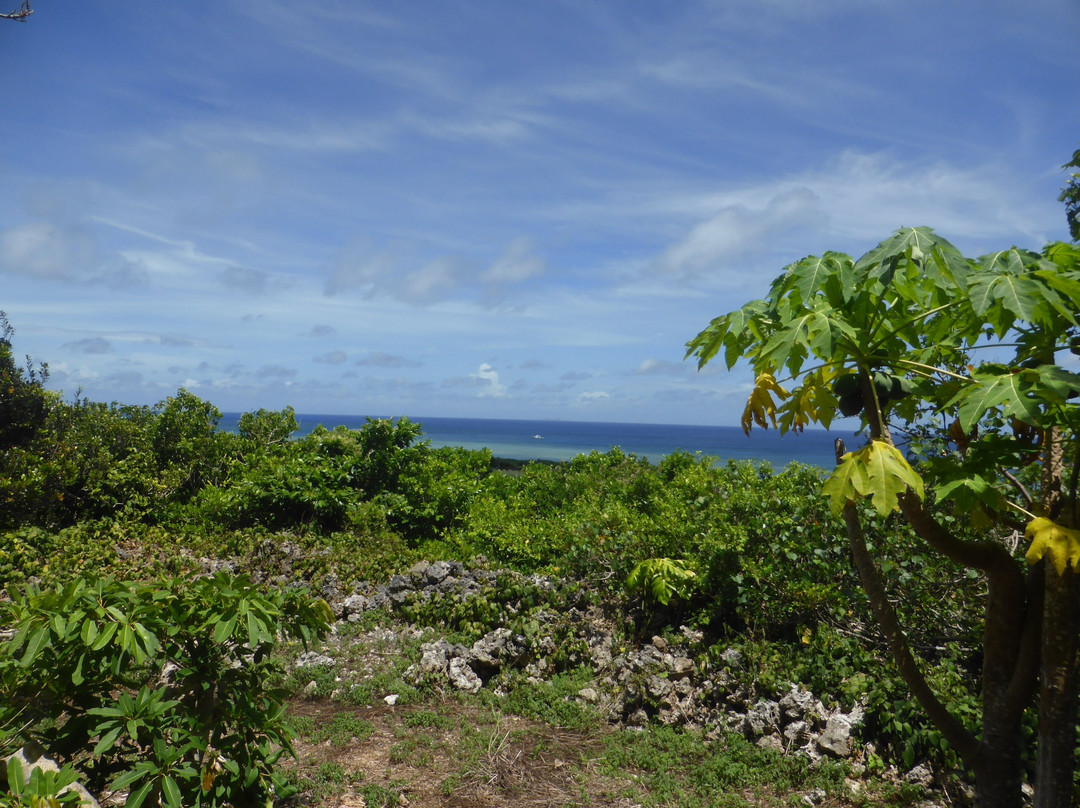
(898, 245)
(878, 471)
(811, 274)
(761, 408)
(996, 386)
(1048, 538)
(967, 492)
(846, 483)
(888, 476)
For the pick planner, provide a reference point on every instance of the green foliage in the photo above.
(554, 701)
(24, 403)
(325, 479)
(42, 789)
(662, 579)
(266, 428)
(674, 767)
(914, 309)
(163, 690)
(1070, 195)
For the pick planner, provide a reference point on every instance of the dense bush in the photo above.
(163, 690)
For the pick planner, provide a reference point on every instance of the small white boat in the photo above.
(538, 437)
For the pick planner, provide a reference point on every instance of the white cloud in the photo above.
(435, 281)
(383, 359)
(489, 379)
(736, 230)
(90, 345)
(592, 396)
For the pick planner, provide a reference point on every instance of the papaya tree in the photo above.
(917, 339)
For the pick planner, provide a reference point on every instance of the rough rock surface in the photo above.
(672, 680)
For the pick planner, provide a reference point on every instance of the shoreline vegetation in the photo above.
(137, 520)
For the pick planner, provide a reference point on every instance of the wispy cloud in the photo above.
(331, 358)
(493, 210)
(89, 345)
(386, 360)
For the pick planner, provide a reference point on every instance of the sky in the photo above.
(491, 209)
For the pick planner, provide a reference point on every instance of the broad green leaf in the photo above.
(138, 797)
(37, 641)
(1008, 261)
(888, 476)
(171, 791)
(1048, 538)
(1052, 383)
(966, 492)
(106, 742)
(224, 629)
(996, 387)
(104, 637)
(16, 777)
(811, 274)
(89, 632)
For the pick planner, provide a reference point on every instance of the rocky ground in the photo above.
(439, 721)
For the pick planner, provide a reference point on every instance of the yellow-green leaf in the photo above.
(889, 475)
(761, 408)
(1062, 544)
(877, 470)
(846, 483)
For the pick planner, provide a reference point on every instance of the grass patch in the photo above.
(677, 768)
(555, 702)
(342, 729)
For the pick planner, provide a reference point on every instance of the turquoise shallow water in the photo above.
(562, 440)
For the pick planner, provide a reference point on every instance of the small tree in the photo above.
(1070, 195)
(892, 336)
(24, 402)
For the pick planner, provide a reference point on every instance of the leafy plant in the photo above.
(161, 690)
(662, 579)
(891, 337)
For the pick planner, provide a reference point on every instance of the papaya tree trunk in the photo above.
(1057, 694)
(998, 771)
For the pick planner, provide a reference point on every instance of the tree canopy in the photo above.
(958, 369)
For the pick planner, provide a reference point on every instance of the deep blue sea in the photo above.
(563, 440)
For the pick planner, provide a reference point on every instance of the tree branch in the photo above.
(21, 15)
(1008, 475)
(988, 556)
(1025, 675)
(955, 732)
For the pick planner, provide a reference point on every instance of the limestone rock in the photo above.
(836, 739)
(762, 719)
(463, 677)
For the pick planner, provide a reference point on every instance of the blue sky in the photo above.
(491, 209)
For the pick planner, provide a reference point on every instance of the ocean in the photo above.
(563, 440)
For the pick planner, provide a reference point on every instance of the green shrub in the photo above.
(163, 690)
